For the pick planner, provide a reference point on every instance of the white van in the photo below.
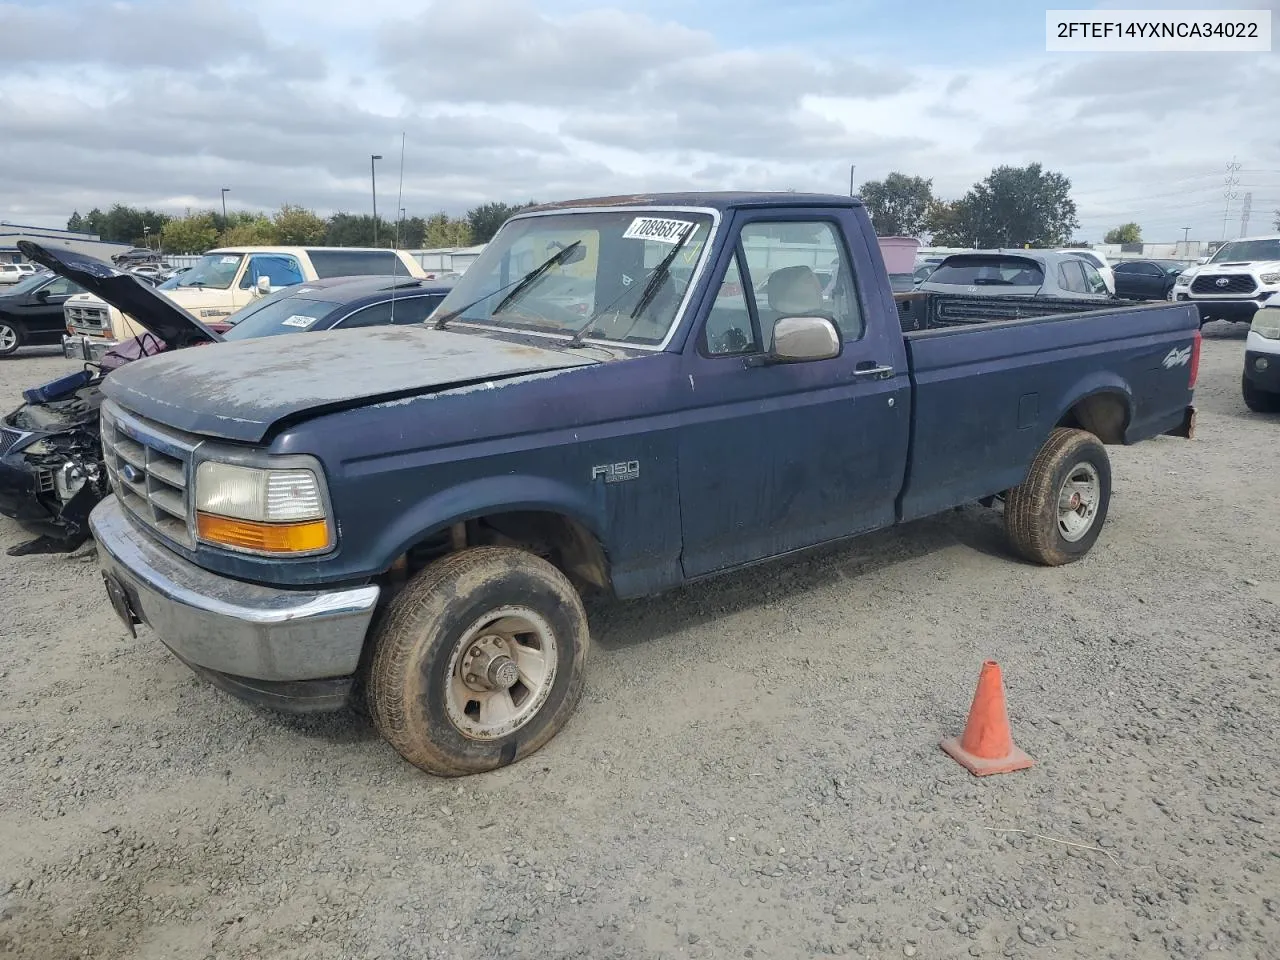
(222, 282)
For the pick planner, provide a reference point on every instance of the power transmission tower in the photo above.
(1244, 213)
(1229, 193)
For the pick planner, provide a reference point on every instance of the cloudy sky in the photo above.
(162, 102)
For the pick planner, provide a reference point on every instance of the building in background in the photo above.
(86, 243)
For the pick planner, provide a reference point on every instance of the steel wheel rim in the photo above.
(1078, 501)
(479, 704)
(8, 338)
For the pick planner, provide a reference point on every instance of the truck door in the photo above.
(776, 457)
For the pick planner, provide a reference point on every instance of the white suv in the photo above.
(1235, 282)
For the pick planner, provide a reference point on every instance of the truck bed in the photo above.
(987, 394)
(928, 310)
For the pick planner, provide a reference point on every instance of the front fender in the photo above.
(486, 496)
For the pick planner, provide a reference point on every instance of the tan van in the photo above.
(222, 282)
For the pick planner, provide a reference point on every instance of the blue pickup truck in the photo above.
(620, 395)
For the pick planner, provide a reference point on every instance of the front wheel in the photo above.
(10, 338)
(1056, 514)
(479, 661)
(1259, 401)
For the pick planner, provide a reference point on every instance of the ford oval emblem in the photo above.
(130, 473)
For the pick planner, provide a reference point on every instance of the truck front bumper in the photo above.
(291, 650)
(1236, 311)
(79, 347)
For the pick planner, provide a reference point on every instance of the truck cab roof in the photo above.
(720, 200)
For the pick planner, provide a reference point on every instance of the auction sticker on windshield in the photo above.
(658, 229)
(298, 320)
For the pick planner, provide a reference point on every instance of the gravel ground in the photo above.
(754, 771)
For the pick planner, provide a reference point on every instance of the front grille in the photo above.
(1236, 283)
(87, 317)
(8, 438)
(150, 471)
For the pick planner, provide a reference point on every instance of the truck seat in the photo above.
(791, 292)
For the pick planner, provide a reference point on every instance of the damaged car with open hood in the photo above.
(51, 472)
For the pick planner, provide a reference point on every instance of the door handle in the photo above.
(872, 371)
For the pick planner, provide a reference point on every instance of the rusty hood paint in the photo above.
(240, 390)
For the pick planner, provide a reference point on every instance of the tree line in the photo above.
(291, 225)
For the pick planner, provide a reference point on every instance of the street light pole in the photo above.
(852, 167)
(373, 179)
(225, 191)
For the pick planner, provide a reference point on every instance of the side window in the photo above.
(730, 330)
(416, 309)
(784, 261)
(1149, 270)
(1070, 277)
(377, 315)
(62, 287)
(1093, 279)
(279, 270)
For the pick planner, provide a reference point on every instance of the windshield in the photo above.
(988, 271)
(214, 270)
(1241, 250)
(289, 314)
(602, 282)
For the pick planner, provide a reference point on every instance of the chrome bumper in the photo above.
(224, 625)
(80, 347)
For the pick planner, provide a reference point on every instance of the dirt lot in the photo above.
(754, 771)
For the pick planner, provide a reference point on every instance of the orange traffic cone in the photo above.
(986, 747)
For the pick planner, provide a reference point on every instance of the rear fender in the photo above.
(1073, 408)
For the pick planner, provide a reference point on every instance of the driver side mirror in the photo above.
(263, 285)
(42, 293)
(1202, 260)
(804, 339)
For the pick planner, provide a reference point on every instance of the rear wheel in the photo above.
(1056, 514)
(1259, 401)
(479, 661)
(11, 338)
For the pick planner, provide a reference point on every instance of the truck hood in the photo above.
(241, 390)
(1234, 266)
(147, 306)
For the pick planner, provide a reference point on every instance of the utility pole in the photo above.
(1185, 233)
(1229, 193)
(225, 191)
(852, 167)
(373, 178)
(1244, 213)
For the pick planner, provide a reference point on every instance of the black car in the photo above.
(51, 472)
(339, 302)
(1146, 279)
(31, 312)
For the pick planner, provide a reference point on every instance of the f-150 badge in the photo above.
(1177, 358)
(616, 472)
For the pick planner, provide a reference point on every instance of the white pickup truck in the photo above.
(222, 282)
(1235, 282)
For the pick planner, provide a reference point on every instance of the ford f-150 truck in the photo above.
(409, 516)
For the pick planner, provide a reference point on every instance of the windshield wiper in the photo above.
(650, 289)
(520, 284)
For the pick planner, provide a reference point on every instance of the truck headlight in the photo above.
(1266, 323)
(1269, 277)
(261, 510)
(1183, 280)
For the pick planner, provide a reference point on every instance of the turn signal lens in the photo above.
(306, 537)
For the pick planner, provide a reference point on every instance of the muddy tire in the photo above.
(478, 662)
(11, 337)
(1259, 401)
(1056, 514)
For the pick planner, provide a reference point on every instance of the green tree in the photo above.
(76, 223)
(298, 227)
(255, 230)
(1012, 207)
(356, 230)
(194, 233)
(485, 219)
(94, 221)
(1276, 221)
(899, 205)
(443, 230)
(1125, 233)
(412, 231)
